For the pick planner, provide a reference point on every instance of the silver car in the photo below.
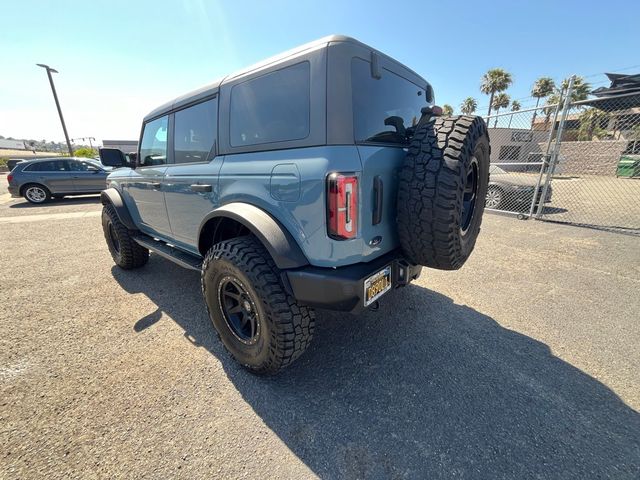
(40, 180)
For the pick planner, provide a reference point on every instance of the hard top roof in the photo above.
(212, 88)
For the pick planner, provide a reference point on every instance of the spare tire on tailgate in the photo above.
(442, 190)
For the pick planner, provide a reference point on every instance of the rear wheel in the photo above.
(126, 252)
(35, 193)
(259, 323)
(494, 197)
(441, 192)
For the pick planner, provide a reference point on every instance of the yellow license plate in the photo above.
(377, 285)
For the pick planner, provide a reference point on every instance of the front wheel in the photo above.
(126, 252)
(259, 323)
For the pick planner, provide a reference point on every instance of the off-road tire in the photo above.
(285, 327)
(126, 252)
(431, 190)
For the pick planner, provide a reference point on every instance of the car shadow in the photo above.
(553, 210)
(423, 388)
(56, 202)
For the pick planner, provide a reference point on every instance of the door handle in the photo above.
(197, 187)
(155, 184)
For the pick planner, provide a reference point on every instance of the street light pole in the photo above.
(55, 97)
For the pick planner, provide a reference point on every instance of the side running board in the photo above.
(158, 247)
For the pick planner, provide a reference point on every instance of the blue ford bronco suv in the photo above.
(324, 177)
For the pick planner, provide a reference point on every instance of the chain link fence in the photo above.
(574, 162)
(519, 145)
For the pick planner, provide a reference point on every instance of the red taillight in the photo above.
(342, 206)
(9, 178)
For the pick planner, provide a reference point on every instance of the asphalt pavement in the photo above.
(523, 364)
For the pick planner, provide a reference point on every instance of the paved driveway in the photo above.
(524, 364)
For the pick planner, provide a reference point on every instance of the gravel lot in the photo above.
(524, 364)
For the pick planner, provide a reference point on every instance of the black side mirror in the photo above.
(112, 157)
(133, 159)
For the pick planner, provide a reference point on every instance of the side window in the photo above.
(77, 166)
(271, 108)
(196, 130)
(153, 149)
(50, 166)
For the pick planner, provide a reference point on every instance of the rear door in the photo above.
(190, 183)
(144, 183)
(87, 177)
(53, 174)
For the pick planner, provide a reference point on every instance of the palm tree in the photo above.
(515, 106)
(468, 106)
(494, 81)
(447, 110)
(501, 100)
(543, 87)
(581, 89)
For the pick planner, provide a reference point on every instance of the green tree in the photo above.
(543, 87)
(581, 89)
(550, 105)
(494, 81)
(592, 121)
(515, 106)
(501, 100)
(85, 152)
(468, 106)
(447, 110)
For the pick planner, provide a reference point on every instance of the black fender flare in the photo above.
(113, 197)
(282, 247)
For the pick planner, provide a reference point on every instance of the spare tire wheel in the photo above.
(442, 190)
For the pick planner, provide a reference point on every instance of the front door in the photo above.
(191, 182)
(87, 177)
(144, 183)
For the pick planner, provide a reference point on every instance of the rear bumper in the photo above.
(14, 191)
(342, 288)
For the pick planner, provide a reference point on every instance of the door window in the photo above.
(153, 149)
(196, 131)
(50, 166)
(79, 166)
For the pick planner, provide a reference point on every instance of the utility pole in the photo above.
(55, 97)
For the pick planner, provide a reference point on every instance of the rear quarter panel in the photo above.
(250, 178)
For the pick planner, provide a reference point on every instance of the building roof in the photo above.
(12, 144)
(620, 84)
(623, 93)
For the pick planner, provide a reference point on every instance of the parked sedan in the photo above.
(39, 180)
(512, 191)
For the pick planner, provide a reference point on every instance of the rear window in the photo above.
(271, 108)
(376, 100)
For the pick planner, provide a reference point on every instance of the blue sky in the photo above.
(118, 60)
